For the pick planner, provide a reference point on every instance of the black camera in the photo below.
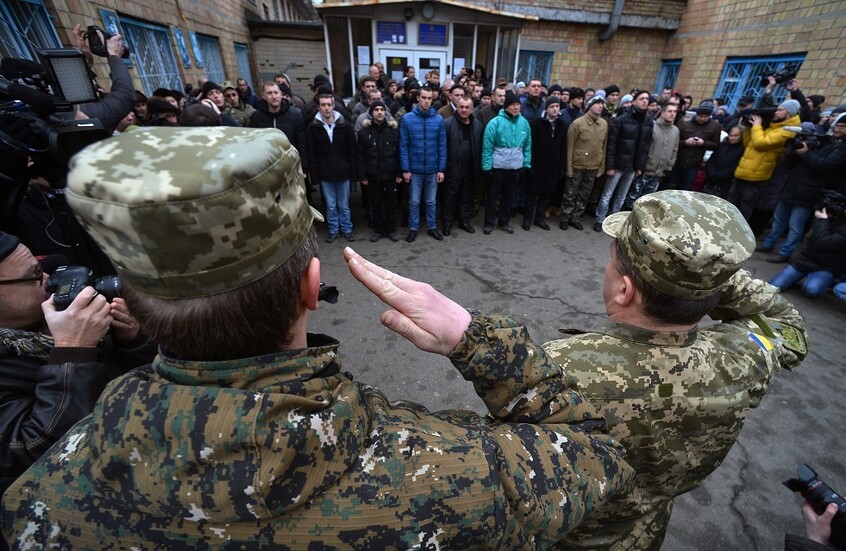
(766, 114)
(328, 293)
(781, 77)
(819, 495)
(98, 45)
(67, 281)
(804, 137)
(834, 204)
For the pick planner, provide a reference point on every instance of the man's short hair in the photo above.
(365, 79)
(216, 327)
(455, 87)
(199, 114)
(662, 307)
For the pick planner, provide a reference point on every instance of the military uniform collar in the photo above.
(647, 336)
(286, 372)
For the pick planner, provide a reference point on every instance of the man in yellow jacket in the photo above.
(764, 148)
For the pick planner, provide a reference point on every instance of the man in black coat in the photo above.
(629, 139)
(53, 365)
(464, 160)
(276, 111)
(378, 171)
(549, 142)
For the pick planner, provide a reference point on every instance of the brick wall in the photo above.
(712, 30)
(224, 20)
(631, 58)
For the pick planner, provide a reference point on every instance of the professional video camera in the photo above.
(766, 114)
(819, 495)
(806, 134)
(97, 45)
(67, 281)
(781, 77)
(834, 204)
(36, 111)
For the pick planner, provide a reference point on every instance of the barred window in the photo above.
(534, 65)
(212, 60)
(242, 55)
(152, 54)
(668, 74)
(25, 26)
(742, 76)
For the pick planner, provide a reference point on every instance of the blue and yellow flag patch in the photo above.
(761, 341)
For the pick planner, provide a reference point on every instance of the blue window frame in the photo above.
(668, 74)
(212, 60)
(742, 76)
(152, 54)
(242, 55)
(532, 64)
(25, 26)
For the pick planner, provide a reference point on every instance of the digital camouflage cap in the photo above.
(683, 243)
(192, 212)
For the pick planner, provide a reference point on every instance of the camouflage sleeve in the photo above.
(757, 302)
(516, 379)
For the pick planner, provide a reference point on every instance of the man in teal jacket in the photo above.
(506, 151)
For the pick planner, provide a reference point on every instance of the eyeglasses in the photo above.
(39, 278)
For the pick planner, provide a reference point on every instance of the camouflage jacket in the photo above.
(287, 452)
(677, 401)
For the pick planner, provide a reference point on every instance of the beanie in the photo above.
(376, 103)
(510, 97)
(612, 89)
(791, 106)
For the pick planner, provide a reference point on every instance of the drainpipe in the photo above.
(615, 21)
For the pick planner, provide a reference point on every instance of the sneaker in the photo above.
(349, 237)
(332, 237)
(506, 228)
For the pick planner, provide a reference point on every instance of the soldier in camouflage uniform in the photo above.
(234, 440)
(676, 394)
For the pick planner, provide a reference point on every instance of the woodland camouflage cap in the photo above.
(683, 243)
(191, 212)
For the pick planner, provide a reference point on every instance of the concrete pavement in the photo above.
(551, 280)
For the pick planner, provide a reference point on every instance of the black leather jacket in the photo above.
(40, 400)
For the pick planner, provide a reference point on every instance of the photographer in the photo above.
(114, 106)
(817, 531)
(816, 162)
(823, 258)
(52, 368)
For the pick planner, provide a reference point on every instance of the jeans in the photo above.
(337, 197)
(840, 291)
(791, 218)
(427, 185)
(617, 186)
(816, 283)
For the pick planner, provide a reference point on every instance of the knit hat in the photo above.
(612, 89)
(576, 92)
(791, 106)
(155, 106)
(209, 86)
(486, 93)
(817, 100)
(653, 99)
(682, 243)
(552, 100)
(376, 103)
(595, 99)
(225, 207)
(626, 99)
(599, 93)
(8, 244)
(510, 97)
(555, 88)
(323, 89)
(520, 84)
(319, 80)
(705, 108)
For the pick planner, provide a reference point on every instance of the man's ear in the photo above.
(310, 285)
(626, 292)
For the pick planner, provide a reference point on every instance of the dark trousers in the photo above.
(458, 195)
(744, 195)
(382, 195)
(681, 178)
(535, 209)
(503, 186)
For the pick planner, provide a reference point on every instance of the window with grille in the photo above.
(533, 64)
(212, 60)
(668, 74)
(742, 76)
(152, 54)
(25, 26)
(242, 55)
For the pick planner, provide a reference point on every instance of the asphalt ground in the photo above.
(552, 279)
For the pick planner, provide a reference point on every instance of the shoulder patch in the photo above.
(761, 341)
